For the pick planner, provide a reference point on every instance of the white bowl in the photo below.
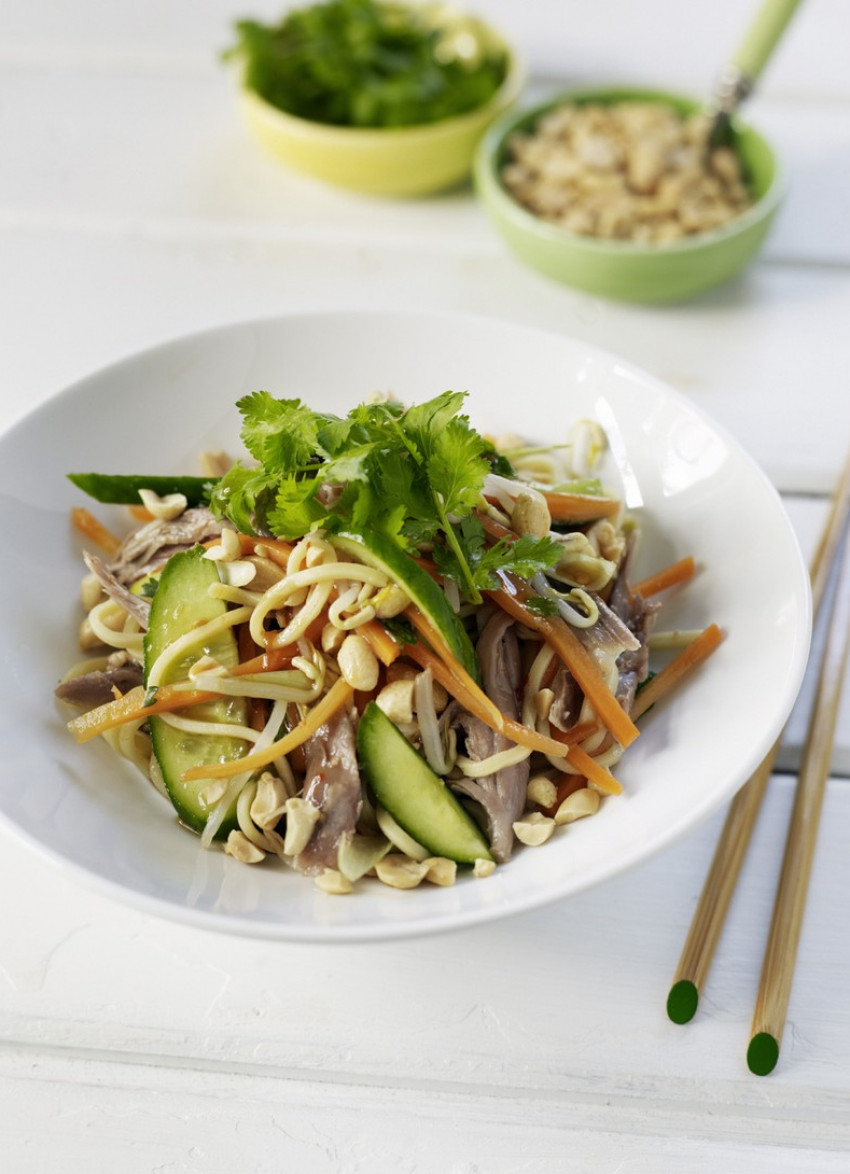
(156, 411)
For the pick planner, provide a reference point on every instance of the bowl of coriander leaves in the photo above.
(381, 97)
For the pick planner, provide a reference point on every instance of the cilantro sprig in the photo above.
(523, 557)
(369, 63)
(415, 474)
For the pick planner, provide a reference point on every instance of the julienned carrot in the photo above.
(679, 572)
(580, 507)
(566, 786)
(680, 666)
(312, 633)
(88, 525)
(462, 687)
(380, 641)
(257, 707)
(556, 632)
(337, 696)
(576, 733)
(270, 661)
(278, 550)
(140, 513)
(131, 707)
(599, 775)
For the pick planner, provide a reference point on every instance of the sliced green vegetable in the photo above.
(417, 799)
(381, 552)
(124, 490)
(182, 603)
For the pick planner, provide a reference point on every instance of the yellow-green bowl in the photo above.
(396, 161)
(627, 270)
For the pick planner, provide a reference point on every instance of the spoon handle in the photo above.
(762, 37)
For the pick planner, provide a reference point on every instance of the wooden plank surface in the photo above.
(543, 1032)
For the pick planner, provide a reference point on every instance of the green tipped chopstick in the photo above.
(710, 914)
(784, 937)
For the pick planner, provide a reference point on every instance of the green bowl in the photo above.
(396, 161)
(625, 270)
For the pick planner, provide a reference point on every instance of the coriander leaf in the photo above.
(148, 588)
(349, 465)
(402, 630)
(416, 531)
(242, 495)
(355, 507)
(364, 63)
(296, 510)
(400, 482)
(499, 463)
(333, 435)
(457, 466)
(524, 558)
(282, 434)
(424, 422)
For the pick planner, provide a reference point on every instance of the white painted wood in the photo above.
(133, 207)
(548, 1029)
(106, 1116)
(657, 41)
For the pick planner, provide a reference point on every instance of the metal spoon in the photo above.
(738, 77)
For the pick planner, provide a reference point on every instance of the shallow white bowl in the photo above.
(154, 413)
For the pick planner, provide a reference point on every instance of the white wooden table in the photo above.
(133, 208)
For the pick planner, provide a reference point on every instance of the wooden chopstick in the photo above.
(784, 936)
(713, 904)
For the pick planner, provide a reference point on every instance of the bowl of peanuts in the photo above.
(618, 192)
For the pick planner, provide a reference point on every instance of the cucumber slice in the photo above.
(417, 798)
(182, 602)
(119, 489)
(381, 552)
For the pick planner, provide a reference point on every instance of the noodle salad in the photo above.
(383, 645)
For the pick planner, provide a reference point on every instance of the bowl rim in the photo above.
(306, 128)
(493, 191)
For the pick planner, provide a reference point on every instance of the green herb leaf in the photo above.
(370, 63)
(524, 557)
(281, 434)
(243, 496)
(402, 631)
(415, 474)
(295, 511)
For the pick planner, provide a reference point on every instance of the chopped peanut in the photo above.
(441, 871)
(333, 882)
(163, 508)
(541, 791)
(396, 700)
(576, 806)
(400, 872)
(301, 818)
(534, 828)
(358, 663)
(627, 171)
(240, 847)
